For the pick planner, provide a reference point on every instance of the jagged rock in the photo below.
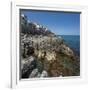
(66, 50)
(34, 73)
(28, 66)
(44, 74)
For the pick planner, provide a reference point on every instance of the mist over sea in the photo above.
(73, 41)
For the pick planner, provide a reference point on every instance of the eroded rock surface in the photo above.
(43, 54)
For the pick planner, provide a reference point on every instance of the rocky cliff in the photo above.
(44, 54)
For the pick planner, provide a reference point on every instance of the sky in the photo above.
(60, 23)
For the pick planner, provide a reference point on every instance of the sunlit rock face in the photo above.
(44, 54)
(33, 27)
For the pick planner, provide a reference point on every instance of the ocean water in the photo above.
(73, 41)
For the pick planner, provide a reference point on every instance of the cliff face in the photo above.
(43, 54)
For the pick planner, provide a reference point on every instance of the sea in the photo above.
(73, 41)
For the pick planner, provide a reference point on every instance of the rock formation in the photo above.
(44, 54)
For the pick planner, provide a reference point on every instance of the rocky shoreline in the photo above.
(44, 54)
(47, 56)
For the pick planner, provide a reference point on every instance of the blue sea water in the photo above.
(73, 41)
